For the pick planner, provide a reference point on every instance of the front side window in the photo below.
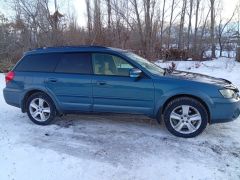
(106, 64)
(75, 63)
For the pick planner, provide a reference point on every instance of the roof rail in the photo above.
(80, 46)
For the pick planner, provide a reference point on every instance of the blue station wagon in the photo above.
(53, 81)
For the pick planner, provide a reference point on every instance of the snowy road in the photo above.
(115, 147)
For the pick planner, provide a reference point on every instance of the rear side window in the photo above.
(76, 63)
(38, 63)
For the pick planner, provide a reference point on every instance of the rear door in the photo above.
(72, 82)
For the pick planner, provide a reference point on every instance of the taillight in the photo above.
(9, 76)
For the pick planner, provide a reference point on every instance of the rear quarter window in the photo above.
(38, 63)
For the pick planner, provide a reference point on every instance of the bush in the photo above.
(175, 54)
(172, 67)
(5, 67)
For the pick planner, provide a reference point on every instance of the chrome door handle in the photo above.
(101, 83)
(52, 80)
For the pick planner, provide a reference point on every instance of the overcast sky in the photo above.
(79, 7)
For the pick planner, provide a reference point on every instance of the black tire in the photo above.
(185, 101)
(50, 103)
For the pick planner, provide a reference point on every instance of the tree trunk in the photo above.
(196, 28)
(221, 48)
(238, 54)
(180, 41)
(109, 13)
(98, 38)
(162, 22)
(189, 24)
(89, 17)
(148, 28)
(212, 28)
(201, 49)
(139, 24)
(170, 24)
(221, 28)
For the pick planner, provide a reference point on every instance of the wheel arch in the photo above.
(162, 108)
(33, 91)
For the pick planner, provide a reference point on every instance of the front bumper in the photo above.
(225, 110)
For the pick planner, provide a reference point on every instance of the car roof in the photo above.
(62, 49)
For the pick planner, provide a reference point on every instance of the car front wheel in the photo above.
(41, 109)
(185, 117)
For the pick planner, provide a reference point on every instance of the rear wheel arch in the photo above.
(162, 108)
(31, 92)
(40, 108)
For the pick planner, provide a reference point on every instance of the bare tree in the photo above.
(162, 23)
(170, 23)
(201, 48)
(213, 48)
(181, 26)
(148, 28)
(97, 25)
(89, 17)
(221, 28)
(139, 25)
(109, 10)
(196, 27)
(189, 24)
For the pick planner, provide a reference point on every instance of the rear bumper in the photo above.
(12, 97)
(225, 110)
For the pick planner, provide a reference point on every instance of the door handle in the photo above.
(101, 83)
(52, 80)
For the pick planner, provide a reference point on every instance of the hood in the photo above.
(200, 78)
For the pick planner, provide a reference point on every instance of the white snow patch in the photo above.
(222, 67)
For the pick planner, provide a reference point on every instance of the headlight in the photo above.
(228, 93)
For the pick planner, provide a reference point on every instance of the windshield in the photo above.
(153, 68)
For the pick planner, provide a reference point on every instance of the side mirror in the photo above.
(135, 73)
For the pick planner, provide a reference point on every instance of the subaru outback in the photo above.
(52, 81)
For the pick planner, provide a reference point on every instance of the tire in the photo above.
(40, 109)
(185, 117)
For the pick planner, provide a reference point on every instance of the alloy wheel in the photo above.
(39, 109)
(185, 119)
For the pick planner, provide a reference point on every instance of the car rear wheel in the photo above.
(185, 117)
(41, 109)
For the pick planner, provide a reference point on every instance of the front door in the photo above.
(115, 91)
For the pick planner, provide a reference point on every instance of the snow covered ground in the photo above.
(221, 67)
(118, 147)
